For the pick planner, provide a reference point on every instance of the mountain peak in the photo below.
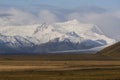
(72, 34)
(40, 28)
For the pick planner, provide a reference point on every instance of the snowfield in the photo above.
(87, 35)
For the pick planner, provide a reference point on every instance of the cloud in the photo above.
(14, 16)
(108, 21)
(47, 16)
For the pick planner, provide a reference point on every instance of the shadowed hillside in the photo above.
(112, 51)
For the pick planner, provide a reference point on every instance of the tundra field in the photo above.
(59, 67)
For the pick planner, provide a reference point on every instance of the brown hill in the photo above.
(112, 51)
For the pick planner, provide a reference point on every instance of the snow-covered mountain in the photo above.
(37, 38)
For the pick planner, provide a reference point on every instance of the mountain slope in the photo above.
(112, 51)
(70, 35)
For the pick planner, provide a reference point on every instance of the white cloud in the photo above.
(17, 17)
(47, 16)
(108, 21)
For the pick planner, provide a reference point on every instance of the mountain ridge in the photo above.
(71, 32)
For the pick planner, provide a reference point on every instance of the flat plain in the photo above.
(59, 67)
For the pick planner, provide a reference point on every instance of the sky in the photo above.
(111, 4)
(103, 13)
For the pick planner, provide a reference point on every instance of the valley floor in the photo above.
(23, 67)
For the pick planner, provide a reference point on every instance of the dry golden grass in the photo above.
(56, 65)
(68, 67)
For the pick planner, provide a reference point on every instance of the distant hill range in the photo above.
(111, 51)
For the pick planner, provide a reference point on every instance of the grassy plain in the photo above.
(59, 67)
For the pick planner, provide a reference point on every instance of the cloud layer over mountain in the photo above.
(108, 21)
